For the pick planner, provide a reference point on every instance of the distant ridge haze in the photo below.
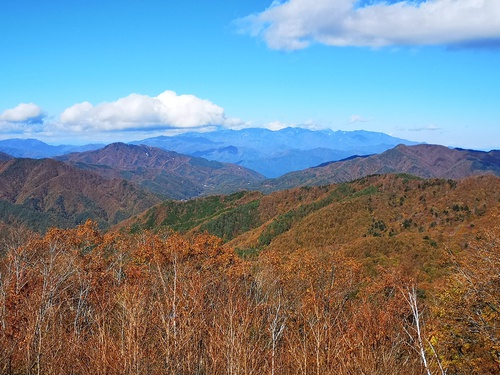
(274, 153)
(270, 153)
(33, 148)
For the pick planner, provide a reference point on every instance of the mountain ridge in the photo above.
(111, 180)
(350, 214)
(269, 152)
(274, 153)
(167, 173)
(427, 161)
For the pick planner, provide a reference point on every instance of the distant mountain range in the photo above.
(271, 153)
(274, 153)
(35, 149)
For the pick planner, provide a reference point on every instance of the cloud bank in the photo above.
(296, 24)
(430, 127)
(25, 119)
(24, 113)
(141, 112)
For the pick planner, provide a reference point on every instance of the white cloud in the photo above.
(357, 118)
(430, 127)
(278, 125)
(295, 24)
(24, 113)
(136, 112)
(312, 125)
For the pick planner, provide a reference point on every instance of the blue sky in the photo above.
(80, 71)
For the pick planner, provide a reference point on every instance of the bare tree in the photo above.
(410, 296)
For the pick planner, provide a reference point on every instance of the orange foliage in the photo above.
(79, 301)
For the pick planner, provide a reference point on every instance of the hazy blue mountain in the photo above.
(294, 160)
(33, 148)
(274, 153)
(271, 153)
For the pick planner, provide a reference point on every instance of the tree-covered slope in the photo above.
(166, 173)
(384, 212)
(41, 193)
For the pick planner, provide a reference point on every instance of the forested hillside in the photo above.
(80, 301)
(385, 275)
(385, 206)
(43, 193)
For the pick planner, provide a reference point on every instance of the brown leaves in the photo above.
(84, 302)
(467, 313)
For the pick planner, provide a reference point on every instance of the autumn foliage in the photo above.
(79, 301)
